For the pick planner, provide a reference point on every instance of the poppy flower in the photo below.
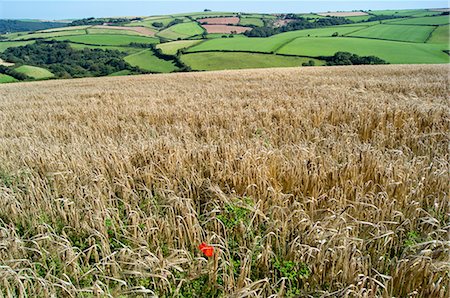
(207, 250)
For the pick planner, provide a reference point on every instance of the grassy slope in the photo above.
(439, 20)
(267, 44)
(219, 61)
(50, 34)
(8, 44)
(172, 47)
(440, 35)
(391, 51)
(112, 31)
(404, 12)
(108, 39)
(128, 50)
(149, 21)
(34, 72)
(251, 21)
(183, 30)
(148, 61)
(396, 32)
(6, 79)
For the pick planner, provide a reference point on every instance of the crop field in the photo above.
(148, 61)
(6, 79)
(171, 48)
(304, 182)
(409, 33)
(220, 61)
(182, 30)
(391, 51)
(439, 20)
(34, 72)
(440, 35)
(220, 21)
(121, 30)
(108, 39)
(225, 29)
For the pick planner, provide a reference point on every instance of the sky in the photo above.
(73, 9)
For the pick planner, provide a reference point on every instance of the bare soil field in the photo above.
(225, 29)
(283, 22)
(220, 21)
(3, 62)
(301, 182)
(343, 14)
(142, 30)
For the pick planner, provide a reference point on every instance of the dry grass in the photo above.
(328, 182)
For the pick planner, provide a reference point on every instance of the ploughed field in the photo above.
(306, 181)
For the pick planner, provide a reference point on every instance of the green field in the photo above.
(409, 33)
(6, 79)
(391, 51)
(219, 61)
(269, 44)
(148, 61)
(149, 21)
(50, 34)
(439, 20)
(171, 48)
(112, 31)
(311, 16)
(183, 30)
(34, 72)
(128, 50)
(251, 21)
(359, 18)
(68, 28)
(108, 39)
(440, 35)
(404, 12)
(8, 44)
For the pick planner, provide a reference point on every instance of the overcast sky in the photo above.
(68, 9)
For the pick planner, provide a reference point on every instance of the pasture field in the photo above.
(128, 50)
(439, 20)
(182, 30)
(34, 72)
(244, 21)
(124, 72)
(108, 39)
(171, 48)
(343, 14)
(6, 79)
(148, 61)
(49, 34)
(148, 22)
(269, 44)
(359, 18)
(220, 61)
(307, 182)
(111, 31)
(392, 51)
(8, 44)
(404, 12)
(440, 35)
(68, 28)
(409, 33)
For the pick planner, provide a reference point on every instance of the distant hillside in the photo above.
(9, 26)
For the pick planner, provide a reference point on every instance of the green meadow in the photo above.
(34, 72)
(171, 48)
(220, 61)
(409, 33)
(6, 79)
(148, 61)
(108, 39)
(182, 30)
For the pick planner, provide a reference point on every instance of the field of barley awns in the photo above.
(316, 182)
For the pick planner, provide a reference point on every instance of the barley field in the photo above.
(307, 182)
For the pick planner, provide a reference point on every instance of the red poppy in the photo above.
(207, 250)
